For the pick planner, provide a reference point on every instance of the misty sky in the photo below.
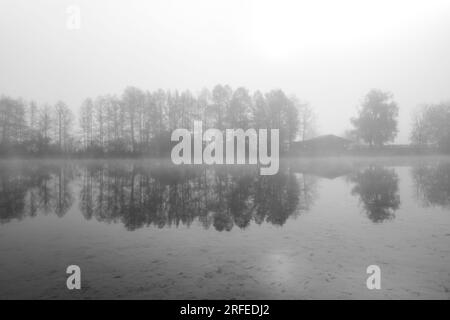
(329, 53)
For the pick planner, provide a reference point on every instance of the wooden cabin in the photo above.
(322, 145)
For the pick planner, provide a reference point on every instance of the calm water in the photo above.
(145, 229)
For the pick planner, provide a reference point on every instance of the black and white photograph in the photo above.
(226, 150)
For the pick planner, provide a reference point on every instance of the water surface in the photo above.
(146, 229)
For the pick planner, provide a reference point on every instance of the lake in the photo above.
(146, 229)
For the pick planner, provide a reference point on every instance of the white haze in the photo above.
(329, 53)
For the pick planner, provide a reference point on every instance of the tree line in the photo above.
(376, 123)
(141, 122)
(26, 128)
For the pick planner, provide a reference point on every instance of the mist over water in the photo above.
(134, 226)
(226, 150)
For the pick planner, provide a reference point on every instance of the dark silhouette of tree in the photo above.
(165, 196)
(307, 119)
(260, 110)
(377, 189)
(87, 123)
(155, 194)
(133, 100)
(12, 121)
(26, 128)
(281, 113)
(204, 99)
(431, 126)
(433, 184)
(239, 112)
(376, 122)
(33, 118)
(45, 123)
(26, 190)
(12, 195)
(140, 122)
(221, 97)
(63, 119)
(63, 193)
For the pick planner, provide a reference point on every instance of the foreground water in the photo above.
(145, 229)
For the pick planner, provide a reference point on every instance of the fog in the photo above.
(327, 53)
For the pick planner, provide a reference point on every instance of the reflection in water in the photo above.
(329, 169)
(142, 195)
(377, 188)
(166, 196)
(26, 190)
(432, 184)
(139, 194)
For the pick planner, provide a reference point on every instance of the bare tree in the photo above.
(45, 123)
(12, 120)
(221, 96)
(307, 120)
(133, 100)
(87, 122)
(63, 124)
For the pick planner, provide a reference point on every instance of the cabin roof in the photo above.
(329, 138)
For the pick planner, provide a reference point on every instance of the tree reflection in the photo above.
(27, 189)
(138, 194)
(377, 189)
(162, 196)
(432, 184)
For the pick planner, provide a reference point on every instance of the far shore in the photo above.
(285, 157)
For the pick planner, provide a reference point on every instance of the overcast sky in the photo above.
(329, 53)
